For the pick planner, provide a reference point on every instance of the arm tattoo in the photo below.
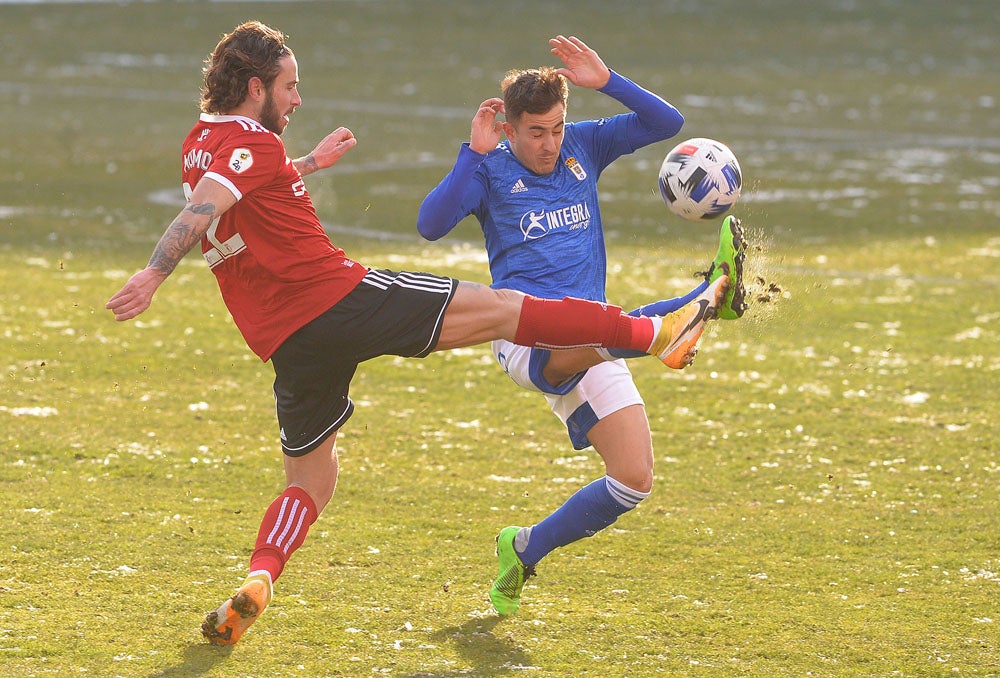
(306, 165)
(181, 236)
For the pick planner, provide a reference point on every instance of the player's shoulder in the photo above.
(581, 134)
(583, 128)
(239, 129)
(494, 161)
(499, 157)
(501, 163)
(502, 149)
(233, 123)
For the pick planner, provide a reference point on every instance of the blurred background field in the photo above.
(826, 497)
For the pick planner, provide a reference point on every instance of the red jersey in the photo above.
(276, 267)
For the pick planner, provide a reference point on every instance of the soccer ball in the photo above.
(700, 179)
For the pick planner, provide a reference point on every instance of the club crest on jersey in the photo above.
(576, 168)
(241, 160)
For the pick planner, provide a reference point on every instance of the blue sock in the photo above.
(658, 308)
(587, 512)
(665, 306)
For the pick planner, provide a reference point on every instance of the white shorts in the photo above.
(579, 402)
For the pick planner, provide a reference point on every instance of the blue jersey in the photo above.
(543, 232)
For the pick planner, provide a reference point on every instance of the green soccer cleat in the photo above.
(506, 592)
(729, 261)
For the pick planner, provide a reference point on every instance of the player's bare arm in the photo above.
(331, 149)
(584, 68)
(207, 203)
(183, 233)
(486, 129)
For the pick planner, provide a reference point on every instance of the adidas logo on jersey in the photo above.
(519, 187)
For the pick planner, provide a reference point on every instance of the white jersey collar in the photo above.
(210, 117)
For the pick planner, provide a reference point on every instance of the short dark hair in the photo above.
(251, 50)
(532, 90)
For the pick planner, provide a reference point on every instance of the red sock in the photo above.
(283, 529)
(571, 322)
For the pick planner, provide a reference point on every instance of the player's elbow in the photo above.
(428, 231)
(670, 125)
(676, 122)
(429, 227)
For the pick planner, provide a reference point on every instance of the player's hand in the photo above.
(327, 152)
(486, 129)
(584, 68)
(136, 295)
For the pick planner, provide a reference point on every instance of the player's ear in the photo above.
(255, 88)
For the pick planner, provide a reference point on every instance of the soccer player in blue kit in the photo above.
(535, 196)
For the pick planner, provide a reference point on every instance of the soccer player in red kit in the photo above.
(316, 314)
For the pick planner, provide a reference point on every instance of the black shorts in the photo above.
(388, 313)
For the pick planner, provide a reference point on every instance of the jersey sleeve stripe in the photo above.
(218, 178)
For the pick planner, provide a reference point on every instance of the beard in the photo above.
(270, 117)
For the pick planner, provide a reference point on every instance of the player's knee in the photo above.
(511, 299)
(628, 496)
(643, 482)
(502, 306)
(639, 479)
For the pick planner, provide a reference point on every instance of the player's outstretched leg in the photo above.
(506, 592)
(226, 625)
(676, 343)
(729, 262)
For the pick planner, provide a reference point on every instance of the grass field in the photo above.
(826, 499)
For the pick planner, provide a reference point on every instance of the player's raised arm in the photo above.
(208, 202)
(486, 129)
(584, 68)
(448, 203)
(327, 152)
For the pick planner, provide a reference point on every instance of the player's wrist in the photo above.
(609, 81)
(306, 164)
(469, 146)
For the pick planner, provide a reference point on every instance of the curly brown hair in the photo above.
(532, 90)
(251, 50)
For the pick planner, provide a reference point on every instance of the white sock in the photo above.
(624, 494)
(521, 539)
(657, 324)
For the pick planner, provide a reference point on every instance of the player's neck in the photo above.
(245, 111)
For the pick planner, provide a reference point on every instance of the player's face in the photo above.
(536, 138)
(281, 100)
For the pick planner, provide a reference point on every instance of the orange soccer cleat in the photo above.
(227, 624)
(676, 344)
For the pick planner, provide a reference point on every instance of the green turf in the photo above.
(826, 483)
